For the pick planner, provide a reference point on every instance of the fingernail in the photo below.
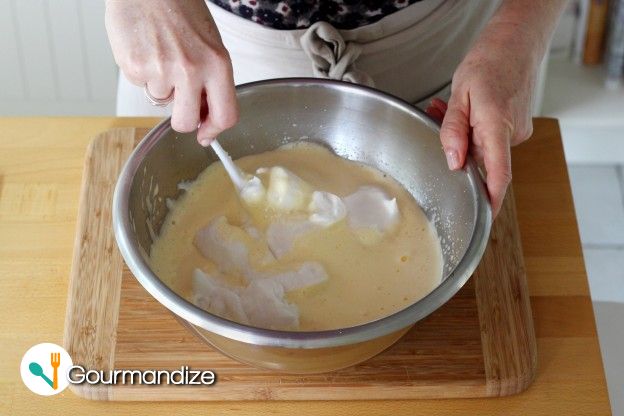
(452, 158)
(205, 142)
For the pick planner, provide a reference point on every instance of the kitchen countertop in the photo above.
(41, 162)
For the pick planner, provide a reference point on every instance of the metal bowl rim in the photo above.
(302, 339)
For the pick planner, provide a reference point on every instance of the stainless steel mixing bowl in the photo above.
(357, 123)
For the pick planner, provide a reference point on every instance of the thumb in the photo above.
(497, 161)
(455, 131)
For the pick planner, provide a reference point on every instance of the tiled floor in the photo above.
(599, 201)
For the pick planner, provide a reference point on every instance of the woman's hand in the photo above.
(172, 45)
(490, 107)
(492, 93)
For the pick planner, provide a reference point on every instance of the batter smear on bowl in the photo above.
(313, 242)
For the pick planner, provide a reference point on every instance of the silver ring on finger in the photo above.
(158, 102)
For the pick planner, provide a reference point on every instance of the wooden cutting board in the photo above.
(481, 343)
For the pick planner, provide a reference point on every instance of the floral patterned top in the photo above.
(301, 14)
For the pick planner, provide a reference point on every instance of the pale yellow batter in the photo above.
(366, 274)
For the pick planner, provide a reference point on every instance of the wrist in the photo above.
(525, 46)
(526, 25)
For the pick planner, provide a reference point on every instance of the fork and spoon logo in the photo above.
(44, 369)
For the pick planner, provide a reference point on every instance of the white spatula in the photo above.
(236, 175)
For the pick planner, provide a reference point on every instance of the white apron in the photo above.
(411, 53)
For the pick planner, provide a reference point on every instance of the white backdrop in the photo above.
(55, 58)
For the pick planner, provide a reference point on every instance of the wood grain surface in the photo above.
(41, 165)
(482, 343)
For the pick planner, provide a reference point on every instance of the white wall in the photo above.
(55, 58)
(591, 117)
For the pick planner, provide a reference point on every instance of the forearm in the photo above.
(525, 24)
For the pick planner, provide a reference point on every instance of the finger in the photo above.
(497, 162)
(439, 104)
(223, 110)
(186, 102)
(476, 152)
(134, 77)
(437, 109)
(159, 88)
(455, 130)
(435, 113)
